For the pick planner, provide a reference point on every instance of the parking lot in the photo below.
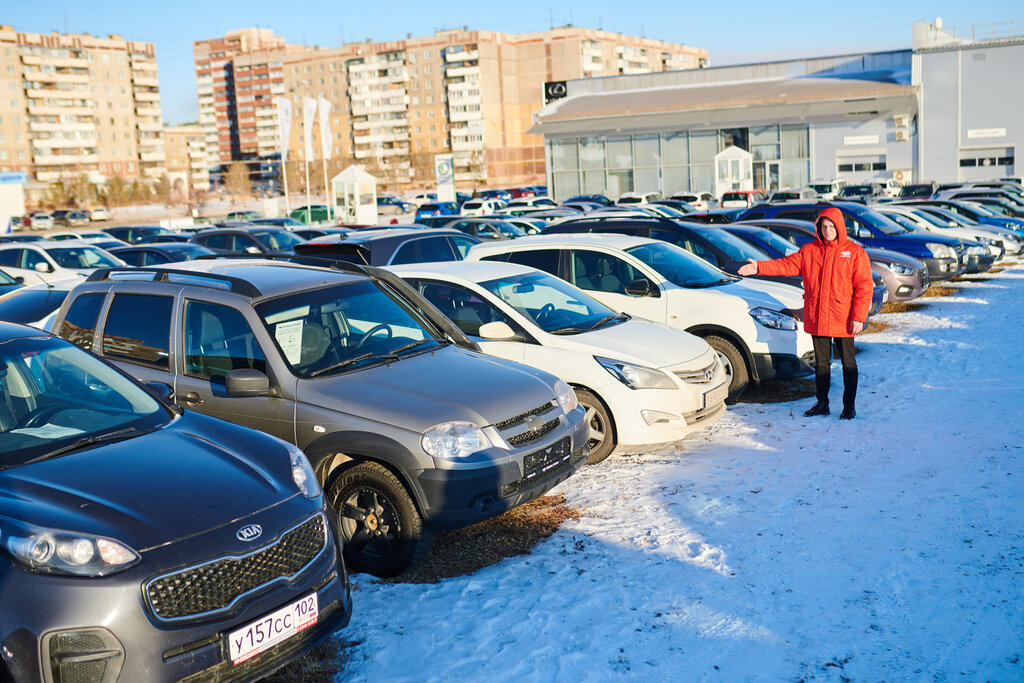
(775, 547)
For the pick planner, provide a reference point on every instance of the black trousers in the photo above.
(822, 373)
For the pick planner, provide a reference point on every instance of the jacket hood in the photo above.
(836, 216)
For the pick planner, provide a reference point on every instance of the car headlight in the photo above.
(987, 241)
(940, 250)
(51, 551)
(977, 250)
(566, 396)
(897, 268)
(303, 474)
(636, 376)
(452, 440)
(773, 319)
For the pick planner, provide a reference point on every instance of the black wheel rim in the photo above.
(369, 523)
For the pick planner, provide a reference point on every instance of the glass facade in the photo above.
(675, 162)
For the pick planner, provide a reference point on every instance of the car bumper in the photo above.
(467, 496)
(769, 366)
(39, 609)
(645, 417)
(979, 264)
(942, 268)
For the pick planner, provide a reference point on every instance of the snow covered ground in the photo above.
(773, 546)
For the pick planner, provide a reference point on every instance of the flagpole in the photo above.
(309, 207)
(327, 193)
(284, 173)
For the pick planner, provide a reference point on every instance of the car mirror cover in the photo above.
(497, 331)
(247, 382)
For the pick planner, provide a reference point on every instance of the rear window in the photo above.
(138, 328)
(29, 306)
(79, 324)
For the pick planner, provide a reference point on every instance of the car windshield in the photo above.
(186, 252)
(784, 196)
(277, 240)
(343, 327)
(678, 266)
(777, 242)
(6, 279)
(734, 247)
(821, 188)
(552, 304)
(27, 306)
(994, 207)
(879, 222)
(954, 218)
(83, 257)
(507, 229)
(53, 395)
(902, 220)
(665, 210)
(854, 190)
(933, 219)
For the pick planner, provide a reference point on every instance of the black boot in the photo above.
(849, 394)
(819, 408)
(848, 413)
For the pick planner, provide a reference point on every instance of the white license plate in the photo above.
(716, 395)
(266, 632)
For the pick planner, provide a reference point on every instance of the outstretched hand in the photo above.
(748, 268)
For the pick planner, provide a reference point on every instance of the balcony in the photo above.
(149, 126)
(152, 156)
(467, 145)
(453, 72)
(54, 110)
(71, 62)
(38, 94)
(381, 137)
(41, 77)
(64, 159)
(462, 56)
(40, 127)
(592, 52)
(457, 99)
(146, 81)
(45, 143)
(464, 116)
(147, 97)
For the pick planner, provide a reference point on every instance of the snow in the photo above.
(772, 546)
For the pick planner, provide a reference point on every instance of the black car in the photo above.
(916, 191)
(714, 216)
(135, 233)
(154, 254)
(157, 238)
(286, 222)
(143, 542)
(709, 242)
(595, 198)
(488, 228)
(255, 240)
(391, 246)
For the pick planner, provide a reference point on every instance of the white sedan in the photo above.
(46, 261)
(641, 382)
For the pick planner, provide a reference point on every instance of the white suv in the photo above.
(46, 261)
(640, 382)
(480, 207)
(753, 324)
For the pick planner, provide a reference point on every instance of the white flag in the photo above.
(308, 111)
(325, 127)
(284, 125)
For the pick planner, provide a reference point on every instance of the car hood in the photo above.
(425, 389)
(766, 293)
(894, 256)
(638, 341)
(154, 489)
(917, 238)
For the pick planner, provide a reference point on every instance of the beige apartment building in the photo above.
(396, 104)
(186, 163)
(76, 104)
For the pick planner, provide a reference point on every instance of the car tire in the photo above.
(600, 423)
(382, 530)
(735, 365)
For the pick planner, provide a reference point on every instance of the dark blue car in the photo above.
(437, 209)
(945, 257)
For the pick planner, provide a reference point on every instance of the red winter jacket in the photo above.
(837, 279)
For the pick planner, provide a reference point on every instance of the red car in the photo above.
(521, 192)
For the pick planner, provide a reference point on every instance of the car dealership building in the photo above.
(940, 111)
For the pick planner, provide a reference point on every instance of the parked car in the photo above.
(100, 213)
(17, 237)
(590, 198)
(1013, 241)
(970, 211)
(638, 198)
(916, 191)
(714, 216)
(905, 277)
(247, 240)
(242, 215)
(158, 238)
(107, 575)
(9, 283)
(51, 261)
(741, 199)
(487, 228)
(532, 201)
(788, 195)
(407, 432)
(711, 243)
(391, 246)
(77, 235)
(640, 382)
(437, 209)
(286, 222)
(71, 218)
(944, 256)
(314, 213)
(827, 190)
(423, 198)
(503, 196)
(158, 253)
(35, 304)
(910, 219)
(41, 220)
(753, 325)
(136, 233)
(700, 201)
(395, 207)
(480, 206)
(863, 193)
(677, 204)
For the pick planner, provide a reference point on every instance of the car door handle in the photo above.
(191, 399)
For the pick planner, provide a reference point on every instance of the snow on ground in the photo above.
(772, 546)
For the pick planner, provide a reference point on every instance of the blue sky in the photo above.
(733, 32)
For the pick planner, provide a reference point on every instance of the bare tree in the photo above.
(162, 189)
(237, 181)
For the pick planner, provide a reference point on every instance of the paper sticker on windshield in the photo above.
(289, 337)
(48, 431)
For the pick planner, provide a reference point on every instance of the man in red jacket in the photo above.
(837, 294)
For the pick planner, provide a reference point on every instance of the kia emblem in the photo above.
(249, 532)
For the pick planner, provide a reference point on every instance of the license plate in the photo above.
(535, 464)
(266, 632)
(716, 395)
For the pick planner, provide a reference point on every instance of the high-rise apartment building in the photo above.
(396, 104)
(186, 159)
(76, 104)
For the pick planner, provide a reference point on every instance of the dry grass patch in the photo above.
(778, 392)
(901, 307)
(877, 325)
(995, 269)
(464, 551)
(940, 290)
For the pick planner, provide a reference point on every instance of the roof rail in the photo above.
(243, 287)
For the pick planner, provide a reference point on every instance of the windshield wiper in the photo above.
(715, 283)
(357, 359)
(568, 330)
(83, 442)
(415, 344)
(608, 319)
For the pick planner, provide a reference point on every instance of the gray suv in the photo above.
(408, 431)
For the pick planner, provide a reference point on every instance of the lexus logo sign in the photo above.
(554, 90)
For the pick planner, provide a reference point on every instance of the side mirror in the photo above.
(43, 267)
(642, 287)
(19, 279)
(497, 331)
(162, 390)
(864, 233)
(246, 382)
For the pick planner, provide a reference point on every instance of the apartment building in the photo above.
(186, 165)
(76, 104)
(396, 104)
